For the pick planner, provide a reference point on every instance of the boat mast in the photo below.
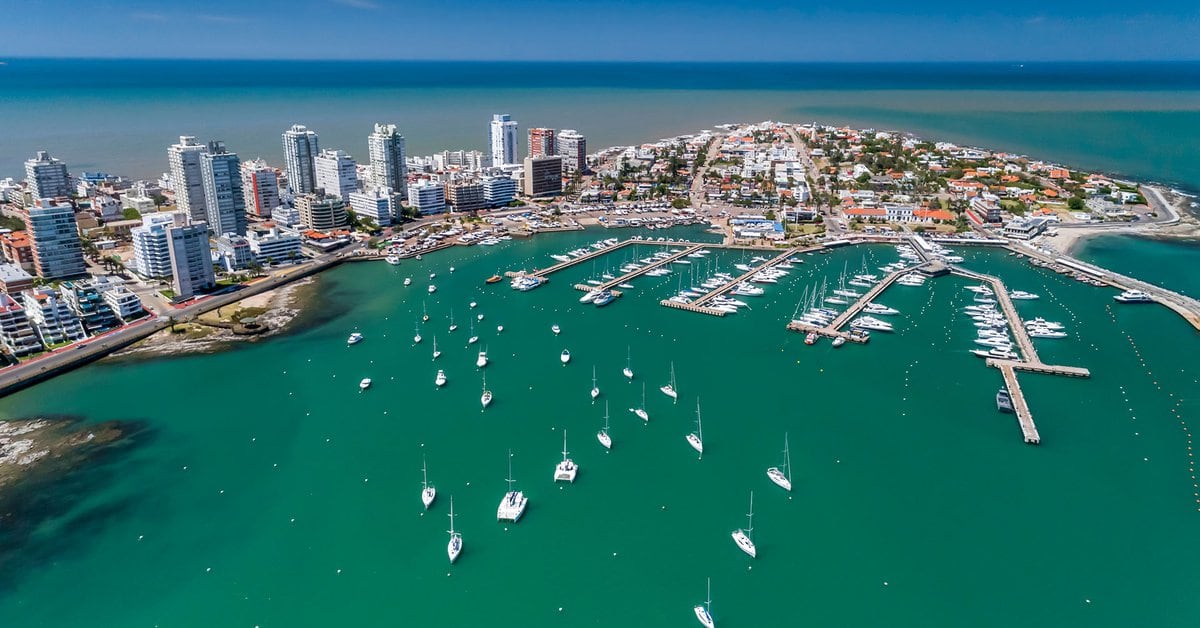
(707, 595)
(451, 515)
(564, 445)
(750, 517)
(699, 427)
(424, 474)
(606, 415)
(510, 480)
(787, 458)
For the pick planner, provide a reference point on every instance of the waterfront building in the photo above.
(321, 212)
(54, 236)
(377, 204)
(224, 197)
(184, 161)
(18, 249)
(124, 303)
(337, 173)
(300, 147)
(51, 317)
(502, 140)
(427, 197)
(572, 147)
(499, 191)
(463, 160)
(260, 185)
(90, 306)
(541, 142)
(1025, 228)
(47, 177)
(234, 252)
(16, 333)
(274, 246)
(151, 244)
(385, 147)
(466, 196)
(14, 279)
(286, 215)
(543, 177)
(191, 259)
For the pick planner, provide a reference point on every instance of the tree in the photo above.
(1075, 203)
(131, 214)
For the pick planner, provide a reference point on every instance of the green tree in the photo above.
(1075, 203)
(131, 214)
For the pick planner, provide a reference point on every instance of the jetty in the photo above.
(729, 285)
(1020, 407)
(857, 307)
(544, 273)
(637, 272)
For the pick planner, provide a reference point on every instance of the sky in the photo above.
(625, 30)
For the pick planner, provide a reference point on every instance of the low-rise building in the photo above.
(89, 305)
(14, 279)
(1025, 228)
(18, 249)
(16, 333)
(124, 303)
(377, 205)
(234, 252)
(51, 317)
(274, 246)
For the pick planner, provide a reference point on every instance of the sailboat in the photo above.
(436, 354)
(453, 326)
(595, 389)
(669, 389)
(486, 398)
(641, 412)
(783, 478)
(628, 370)
(742, 537)
(565, 471)
(704, 611)
(696, 439)
(424, 313)
(482, 360)
(416, 333)
(440, 380)
(602, 435)
(428, 492)
(555, 328)
(454, 547)
(473, 339)
(512, 506)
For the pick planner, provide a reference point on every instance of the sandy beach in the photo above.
(1182, 225)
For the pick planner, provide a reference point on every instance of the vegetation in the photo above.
(131, 214)
(12, 223)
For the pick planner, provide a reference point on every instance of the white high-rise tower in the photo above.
(300, 147)
(386, 149)
(502, 138)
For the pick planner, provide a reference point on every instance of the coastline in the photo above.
(1182, 225)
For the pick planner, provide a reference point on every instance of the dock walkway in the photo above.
(612, 283)
(1024, 417)
(871, 294)
(729, 285)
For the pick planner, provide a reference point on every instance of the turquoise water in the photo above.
(1168, 263)
(262, 472)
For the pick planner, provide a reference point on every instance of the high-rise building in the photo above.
(502, 140)
(465, 196)
(300, 147)
(16, 333)
(191, 259)
(184, 161)
(47, 177)
(89, 305)
(427, 197)
(572, 147)
(224, 197)
(385, 147)
(321, 212)
(337, 173)
(543, 176)
(274, 246)
(260, 184)
(51, 317)
(54, 236)
(378, 204)
(499, 191)
(541, 142)
(152, 244)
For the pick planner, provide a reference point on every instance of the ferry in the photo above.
(1133, 296)
(354, 338)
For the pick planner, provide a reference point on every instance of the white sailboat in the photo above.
(486, 398)
(602, 435)
(704, 611)
(783, 478)
(440, 380)
(565, 471)
(416, 334)
(424, 313)
(742, 537)
(473, 339)
(628, 370)
(482, 360)
(512, 506)
(669, 389)
(436, 354)
(696, 439)
(595, 389)
(641, 412)
(453, 326)
(428, 492)
(454, 547)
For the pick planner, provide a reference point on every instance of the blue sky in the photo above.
(796, 30)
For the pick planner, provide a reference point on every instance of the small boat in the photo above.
(418, 257)
(428, 492)
(602, 435)
(453, 326)
(451, 269)
(454, 547)
(432, 288)
(482, 360)
(473, 339)
(783, 477)
(565, 471)
(704, 611)
(696, 439)
(556, 329)
(436, 354)
(354, 338)
(1004, 401)
(440, 380)
(512, 506)
(742, 537)
(473, 304)
(564, 357)
(485, 399)
(628, 370)
(365, 383)
(811, 338)
(839, 341)
(595, 389)
(494, 279)
(669, 389)
(479, 317)
(416, 334)
(432, 276)
(408, 281)
(641, 412)
(394, 260)
(424, 313)
(499, 328)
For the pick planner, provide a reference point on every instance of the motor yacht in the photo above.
(354, 338)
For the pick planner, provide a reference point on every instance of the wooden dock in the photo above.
(610, 284)
(1024, 417)
(871, 294)
(729, 285)
(542, 273)
(827, 332)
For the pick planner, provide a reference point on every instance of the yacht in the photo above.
(870, 322)
(512, 506)
(1041, 322)
(998, 353)
(742, 537)
(595, 389)
(839, 341)
(556, 329)
(1021, 295)
(454, 547)
(1004, 401)
(482, 360)
(428, 492)
(641, 411)
(354, 338)
(1045, 332)
(696, 439)
(453, 326)
(589, 296)
(783, 477)
(602, 435)
(440, 380)
(564, 357)
(365, 383)
(565, 471)
(603, 298)
(473, 339)
(416, 334)
(704, 611)
(432, 288)
(669, 389)
(628, 370)
(436, 354)
(408, 281)
(1133, 296)
(876, 308)
(486, 398)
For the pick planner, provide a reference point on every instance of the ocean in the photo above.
(262, 488)
(1135, 119)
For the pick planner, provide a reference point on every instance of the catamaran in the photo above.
(696, 439)
(704, 611)
(783, 478)
(742, 537)
(428, 492)
(454, 547)
(565, 471)
(486, 398)
(595, 389)
(669, 389)
(602, 435)
(440, 380)
(436, 354)
(512, 506)
(628, 370)
(641, 412)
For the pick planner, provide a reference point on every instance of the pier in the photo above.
(857, 307)
(543, 273)
(1020, 407)
(729, 285)
(611, 283)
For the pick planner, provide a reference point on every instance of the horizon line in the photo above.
(629, 61)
